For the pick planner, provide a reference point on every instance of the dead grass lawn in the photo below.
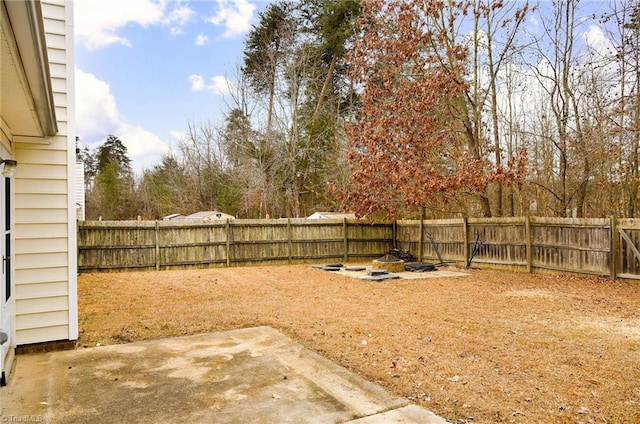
(491, 347)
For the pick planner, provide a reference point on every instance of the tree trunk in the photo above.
(494, 121)
(485, 206)
(325, 85)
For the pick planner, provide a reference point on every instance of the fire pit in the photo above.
(389, 262)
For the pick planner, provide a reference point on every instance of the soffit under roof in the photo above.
(23, 94)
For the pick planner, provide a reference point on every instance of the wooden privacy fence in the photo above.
(601, 246)
(558, 244)
(120, 245)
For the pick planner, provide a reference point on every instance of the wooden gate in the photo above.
(628, 249)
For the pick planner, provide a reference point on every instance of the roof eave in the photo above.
(32, 46)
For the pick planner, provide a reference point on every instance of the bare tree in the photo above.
(555, 64)
(488, 46)
(205, 161)
(625, 34)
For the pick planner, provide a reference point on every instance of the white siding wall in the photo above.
(45, 230)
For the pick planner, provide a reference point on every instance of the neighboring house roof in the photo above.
(331, 215)
(208, 216)
(173, 216)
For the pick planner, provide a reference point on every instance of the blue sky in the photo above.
(144, 68)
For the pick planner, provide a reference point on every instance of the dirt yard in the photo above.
(489, 347)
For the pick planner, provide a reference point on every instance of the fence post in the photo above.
(394, 235)
(345, 239)
(157, 237)
(289, 236)
(465, 239)
(613, 246)
(228, 244)
(420, 239)
(529, 237)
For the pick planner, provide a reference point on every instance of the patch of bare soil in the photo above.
(490, 347)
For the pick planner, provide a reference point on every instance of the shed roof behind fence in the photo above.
(208, 215)
(331, 215)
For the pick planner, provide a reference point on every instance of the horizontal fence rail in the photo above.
(600, 246)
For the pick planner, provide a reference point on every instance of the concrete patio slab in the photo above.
(406, 415)
(253, 375)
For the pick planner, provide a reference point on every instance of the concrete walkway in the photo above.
(254, 375)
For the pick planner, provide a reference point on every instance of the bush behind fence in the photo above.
(601, 246)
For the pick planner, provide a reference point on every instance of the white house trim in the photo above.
(71, 178)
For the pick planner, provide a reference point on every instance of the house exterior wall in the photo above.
(45, 205)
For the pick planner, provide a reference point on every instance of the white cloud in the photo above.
(197, 82)
(234, 15)
(97, 117)
(220, 85)
(175, 31)
(178, 135)
(178, 18)
(96, 111)
(141, 144)
(97, 22)
(217, 85)
(597, 40)
(201, 40)
(180, 15)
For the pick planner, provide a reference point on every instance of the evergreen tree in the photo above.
(113, 194)
(113, 153)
